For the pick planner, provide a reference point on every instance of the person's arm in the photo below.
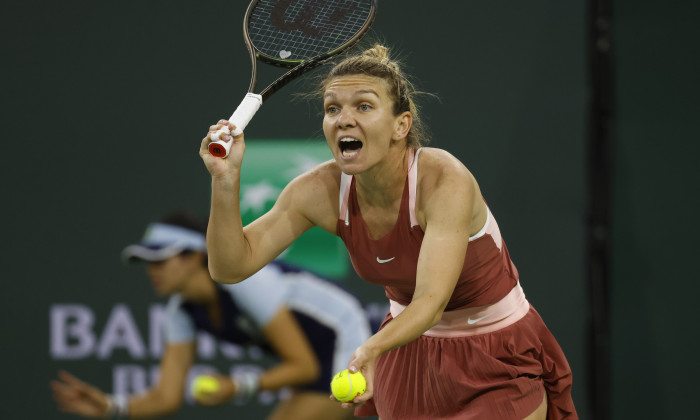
(236, 252)
(166, 398)
(447, 207)
(77, 397)
(298, 363)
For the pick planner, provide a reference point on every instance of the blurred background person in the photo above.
(311, 325)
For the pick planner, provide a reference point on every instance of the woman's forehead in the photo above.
(356, 83)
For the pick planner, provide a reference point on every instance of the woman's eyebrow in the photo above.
(356, 93)
(362, 92)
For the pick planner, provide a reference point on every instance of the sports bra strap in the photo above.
(343, 197)
(412, 181)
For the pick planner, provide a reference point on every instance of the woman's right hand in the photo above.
(77, 397)
(222, 167)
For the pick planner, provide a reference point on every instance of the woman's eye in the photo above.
(331, 109)
(365, 107)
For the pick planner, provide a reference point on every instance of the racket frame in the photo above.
(252, 101)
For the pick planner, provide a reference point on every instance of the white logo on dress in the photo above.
(471, 321)
(380, 261)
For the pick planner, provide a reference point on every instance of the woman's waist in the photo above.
(479, 319)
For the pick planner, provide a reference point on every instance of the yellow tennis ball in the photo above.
(345, 386)
(204, 384)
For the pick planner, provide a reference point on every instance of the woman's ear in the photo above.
(402, 125)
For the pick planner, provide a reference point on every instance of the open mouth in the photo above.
(349, 146)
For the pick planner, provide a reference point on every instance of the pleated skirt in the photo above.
(496, 375)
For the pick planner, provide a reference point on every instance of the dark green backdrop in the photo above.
(655, 336)
(104, 105)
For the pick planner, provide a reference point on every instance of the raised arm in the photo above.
(236, 252)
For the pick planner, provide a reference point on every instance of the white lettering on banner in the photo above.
(121, 332)
(73, 335)
(129, 380)
(71, 331)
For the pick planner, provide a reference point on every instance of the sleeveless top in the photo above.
(487, 276)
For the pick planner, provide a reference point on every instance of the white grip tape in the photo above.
(245, 111)
(241, 116)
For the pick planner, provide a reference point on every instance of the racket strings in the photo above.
(298, 30)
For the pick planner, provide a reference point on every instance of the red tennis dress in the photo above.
(490, 357)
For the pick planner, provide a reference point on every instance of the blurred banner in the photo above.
(129, 344)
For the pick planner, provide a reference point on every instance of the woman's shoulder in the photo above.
(324, 174)
(437, 164)
(442, 178)
(315, 194)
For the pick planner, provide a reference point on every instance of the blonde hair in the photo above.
(375, 61)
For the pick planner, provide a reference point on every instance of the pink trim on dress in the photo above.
(412, 181)
(477, 320)
(495, 232)
(484, 228)
(490, 228)
(343, 197)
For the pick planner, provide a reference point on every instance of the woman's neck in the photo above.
(383, 184)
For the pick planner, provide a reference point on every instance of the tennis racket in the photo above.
(296, 34)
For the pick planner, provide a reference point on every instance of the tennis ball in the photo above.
(345, 386)
(204, 384)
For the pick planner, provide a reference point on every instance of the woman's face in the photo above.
(359, 122)
(171, 275)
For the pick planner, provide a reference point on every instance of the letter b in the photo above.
(71, 331)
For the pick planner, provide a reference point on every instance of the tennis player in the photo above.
(310, 324)
(461, 340)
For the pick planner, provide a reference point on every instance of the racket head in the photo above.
(289, 33)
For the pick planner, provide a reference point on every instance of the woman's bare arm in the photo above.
(237, 252)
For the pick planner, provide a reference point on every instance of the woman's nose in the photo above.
(345, 119)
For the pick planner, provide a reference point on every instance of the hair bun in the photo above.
(378, 52)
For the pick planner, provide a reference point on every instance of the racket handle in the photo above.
(240, 118)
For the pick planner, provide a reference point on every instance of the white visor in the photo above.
(162, 241)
